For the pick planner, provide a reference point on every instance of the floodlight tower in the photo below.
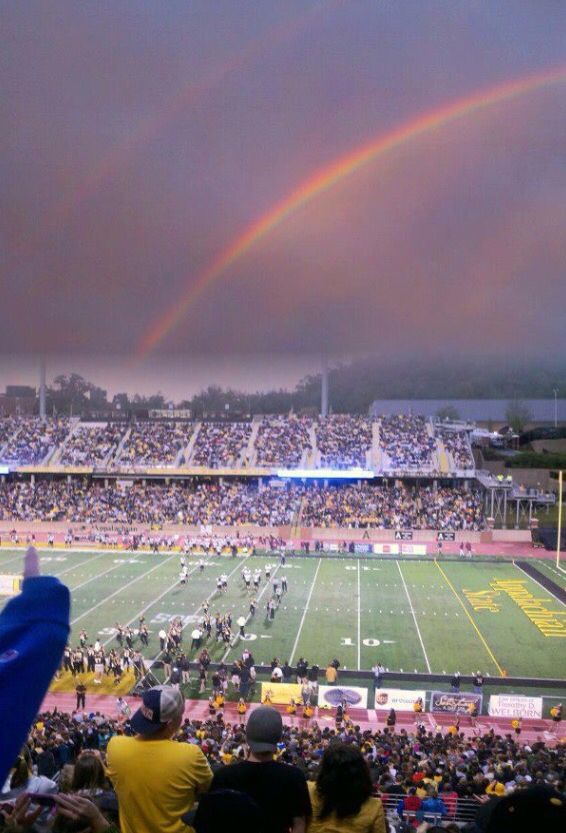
(324, 387)
(42, 374)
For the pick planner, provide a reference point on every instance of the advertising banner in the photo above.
(332, 695)
(403, 535)
(362, 548)
(386, 549)
(514, 705)
(413, 549)
(281, 693)
(446, 535)
(327, 546)
(452, 703)
(400, 699)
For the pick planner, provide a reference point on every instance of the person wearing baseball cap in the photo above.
(156, 779)
(279, 789)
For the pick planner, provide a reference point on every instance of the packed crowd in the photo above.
(92, 444)
(155, 443)
(296, 771)
(340, 441)
(344, 505)
(283, 440)
(206, 503)
(34, 439)
(392, 507)
(343, 440)
(220, 443)
(458, 445)
(407, 442)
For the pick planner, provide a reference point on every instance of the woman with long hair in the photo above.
(341, 798)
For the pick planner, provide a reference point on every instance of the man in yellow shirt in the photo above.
(156, 779)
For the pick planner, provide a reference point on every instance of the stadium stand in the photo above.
(343, 441)
(283, 441)
(418, 775)
(407, 442)
(220, 444)
(34, 440)
(155, 443)
(92, 444)
(349, 506)
(457, 444)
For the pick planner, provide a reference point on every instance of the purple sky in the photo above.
(139, 138)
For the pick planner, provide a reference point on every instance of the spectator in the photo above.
(343, 441)
(31, 648)
(227, 810)
(221, 444)
(341, 798)
(279, 789)
(410, 803)
(156, 780)
(432, 807)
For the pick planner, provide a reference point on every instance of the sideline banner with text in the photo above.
(281, 693)
(331, 696)
(400, 699)
(452, 703)
(514, 705)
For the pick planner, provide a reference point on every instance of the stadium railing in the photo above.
(462, 811)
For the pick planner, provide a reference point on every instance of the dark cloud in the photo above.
(140, 139)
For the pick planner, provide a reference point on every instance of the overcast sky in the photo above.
(139, 139)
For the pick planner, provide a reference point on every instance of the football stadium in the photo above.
(282, 417)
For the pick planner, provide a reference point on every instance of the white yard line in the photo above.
(94, 578)
(123, 587)
(542, 587)
(560, 571)
(168, 590)
(9, 560)
(249, 616)
(359, 618)
(78, 564)
(414, 617)
(305, 613)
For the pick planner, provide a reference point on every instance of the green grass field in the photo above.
(410, 615)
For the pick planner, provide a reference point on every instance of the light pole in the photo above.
(555, 392)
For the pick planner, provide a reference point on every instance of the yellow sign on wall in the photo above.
(281, 693)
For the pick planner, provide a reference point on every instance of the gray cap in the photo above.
(264, 729)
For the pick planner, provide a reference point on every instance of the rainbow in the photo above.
(333, 173)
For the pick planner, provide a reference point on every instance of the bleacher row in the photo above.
(388, 444)
(354, 506)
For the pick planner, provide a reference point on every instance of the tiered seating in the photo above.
(381, 507)
(457, 444)
(345, 505)
(407, 442)
(214, 503)
(282, 440)
(220, 443)
(92, 444)
(343, 440)
(155, 443)
(34, 440)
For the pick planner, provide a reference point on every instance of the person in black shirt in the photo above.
(279, 789)
(80, 690)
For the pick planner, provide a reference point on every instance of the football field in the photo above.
(410, 615)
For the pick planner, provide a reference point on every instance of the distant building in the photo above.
(475, 410)
(18, 399)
